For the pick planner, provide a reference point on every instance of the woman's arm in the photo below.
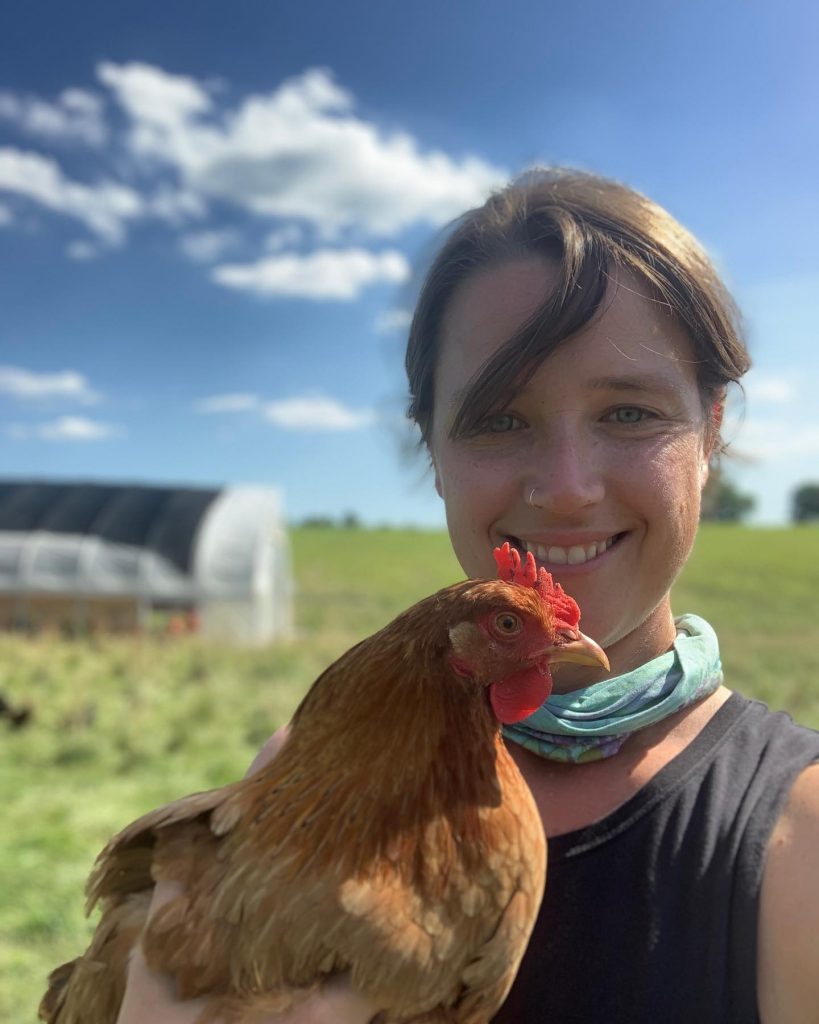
(149, 995)
(788, 954)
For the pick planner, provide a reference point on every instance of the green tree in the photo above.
(723, 502)
(805, 503)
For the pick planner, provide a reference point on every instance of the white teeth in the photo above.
(575, 555)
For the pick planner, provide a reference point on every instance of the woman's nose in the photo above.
(566, 479)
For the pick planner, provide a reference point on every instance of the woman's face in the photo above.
(596, 466)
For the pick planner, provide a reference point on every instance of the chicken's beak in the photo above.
(580, 650)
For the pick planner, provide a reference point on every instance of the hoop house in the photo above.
(89, 555)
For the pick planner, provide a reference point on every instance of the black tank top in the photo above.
(650, 915)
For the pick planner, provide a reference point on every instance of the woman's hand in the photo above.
(150, 997)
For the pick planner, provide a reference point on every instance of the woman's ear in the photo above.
(715, 423)
(711, 440)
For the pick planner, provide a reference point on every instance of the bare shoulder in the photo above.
(789, 911)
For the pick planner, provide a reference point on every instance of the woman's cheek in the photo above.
(467, 479)
(473, 502)
(677, 492)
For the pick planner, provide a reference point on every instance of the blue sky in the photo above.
(211, 216)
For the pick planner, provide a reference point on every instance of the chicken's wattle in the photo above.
(520, 695)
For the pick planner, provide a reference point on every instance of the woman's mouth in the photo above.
(557, 555)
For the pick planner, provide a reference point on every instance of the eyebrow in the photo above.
(641, 382)
(633, 384)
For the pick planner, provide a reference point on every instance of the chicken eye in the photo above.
(508, 624)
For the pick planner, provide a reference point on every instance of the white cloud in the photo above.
(66, 428)
(282, 238)
(82, 101)
(393, 320)
(299, 151)
(175, 205)
(235, 402)
(78, 428)
(28, 385)
(153, 96)
(207, 246)
(324, 274)
(300, 155)
(316, 413)
(77, 115)
(82, 251)
(310, 412)
(104, 208)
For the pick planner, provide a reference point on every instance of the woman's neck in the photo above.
(572, 796)
(653, 637)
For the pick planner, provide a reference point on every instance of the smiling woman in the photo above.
(568, 363)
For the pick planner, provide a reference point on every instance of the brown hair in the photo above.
(590, 226)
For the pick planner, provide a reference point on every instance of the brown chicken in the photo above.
(391, 839)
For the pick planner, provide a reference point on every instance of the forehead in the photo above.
(635, 338)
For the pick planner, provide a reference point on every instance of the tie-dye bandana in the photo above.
(594, 722)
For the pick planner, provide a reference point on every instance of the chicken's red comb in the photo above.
(528, 575)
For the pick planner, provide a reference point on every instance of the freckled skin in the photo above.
(569, 438)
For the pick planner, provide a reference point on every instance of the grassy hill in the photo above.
(123, 724)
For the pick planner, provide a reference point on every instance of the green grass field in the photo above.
(123, 724)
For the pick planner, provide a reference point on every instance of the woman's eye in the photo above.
(628, 414)
(501, 422)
